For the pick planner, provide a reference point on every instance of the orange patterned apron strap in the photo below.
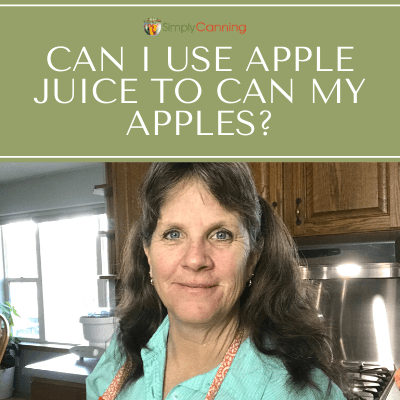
(113, 390)
(224, 367)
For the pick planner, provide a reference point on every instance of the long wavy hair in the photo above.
(279, 306)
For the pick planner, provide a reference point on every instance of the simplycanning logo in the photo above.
(203, 27)
(152, 26)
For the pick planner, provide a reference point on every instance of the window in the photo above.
(51, 273)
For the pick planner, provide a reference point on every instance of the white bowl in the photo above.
(98, 330)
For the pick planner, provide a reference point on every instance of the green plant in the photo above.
(12, 349)
(8, 311)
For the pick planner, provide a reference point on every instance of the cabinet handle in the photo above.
(298, 220)
(275, 204)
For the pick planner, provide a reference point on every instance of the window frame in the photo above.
(49, 216)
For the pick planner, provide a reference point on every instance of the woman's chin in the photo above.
(196, 316)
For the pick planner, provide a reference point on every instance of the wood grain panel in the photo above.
(346, 189)
(268, 178)
(46, 389)
(293, 184)
(340, 198)
(126, 179)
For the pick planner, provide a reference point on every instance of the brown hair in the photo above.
(278, 309)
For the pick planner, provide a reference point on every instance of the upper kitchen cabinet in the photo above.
(269, 182)
(123, 204)
(333, 198)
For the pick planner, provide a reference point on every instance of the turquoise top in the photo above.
(252, 376)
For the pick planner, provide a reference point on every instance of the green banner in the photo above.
(278, 82)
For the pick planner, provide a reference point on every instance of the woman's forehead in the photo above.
(184, 186)
(191, 196)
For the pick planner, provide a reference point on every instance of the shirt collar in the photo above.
(157, 342)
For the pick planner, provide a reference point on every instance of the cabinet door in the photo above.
(331, 198)
(268, 178)
(46, 389)
(123, 205)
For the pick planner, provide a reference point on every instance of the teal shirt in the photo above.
(252, 376)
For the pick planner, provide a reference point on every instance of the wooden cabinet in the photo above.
(47, 389)
(122, 205)
(333, 198)
(268, 178)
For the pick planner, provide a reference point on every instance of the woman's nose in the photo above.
(197, 256)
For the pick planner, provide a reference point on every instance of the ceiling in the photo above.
(11, 171)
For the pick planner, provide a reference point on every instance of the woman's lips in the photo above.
(198, 290)
(198, 285)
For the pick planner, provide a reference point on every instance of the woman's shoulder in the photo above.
(281, 386)
(250, 359)
(106, 369)
(266, 378)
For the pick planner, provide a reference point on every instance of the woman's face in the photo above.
(198, 256)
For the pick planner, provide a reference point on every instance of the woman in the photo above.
(213, 304)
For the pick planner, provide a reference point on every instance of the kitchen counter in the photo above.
(61, 378)
(68, 368)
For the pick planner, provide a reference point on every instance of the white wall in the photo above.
(54, 191)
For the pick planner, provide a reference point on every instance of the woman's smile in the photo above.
(194, 289)
(197, 286)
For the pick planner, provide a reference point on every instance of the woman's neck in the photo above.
(212, 341)
(196, 349)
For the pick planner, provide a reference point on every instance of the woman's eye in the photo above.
(173, 235)
(223, 235)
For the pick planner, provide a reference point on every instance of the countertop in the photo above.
(69, 368)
